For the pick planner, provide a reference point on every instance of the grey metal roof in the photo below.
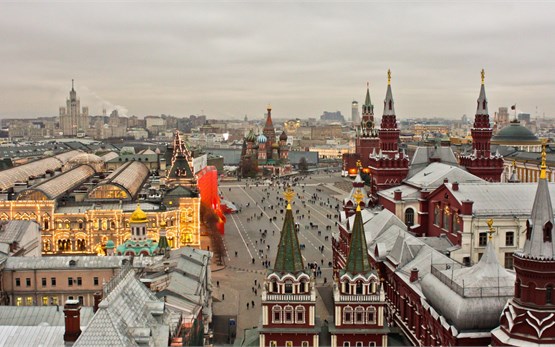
(482, 107)
(15, 230)
(125, 207)
(433, 175)
(423, 156)
(35, 315)
(45, 336)
(496, 199)
(388, 97)
(62, 262)
(109, 156)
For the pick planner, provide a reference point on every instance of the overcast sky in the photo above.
(228, 59)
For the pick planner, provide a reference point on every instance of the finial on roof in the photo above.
(289, 195)
(514, 163)
(483, 73)
(491, 230)
(358, 198)
(359, 164)
(543, 167)
(388, 77)
(367, 85)
(269, 108)
(72, 84)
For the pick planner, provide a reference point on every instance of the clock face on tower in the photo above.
(369, 124)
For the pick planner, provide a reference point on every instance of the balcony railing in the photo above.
(288, 297)
(466, 291)
(361, 298)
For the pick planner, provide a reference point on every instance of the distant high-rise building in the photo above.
(73, 119)
(355, 118)
(524, 118)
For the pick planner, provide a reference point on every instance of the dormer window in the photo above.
(359, 287)
(274, 287)
(547, 228)
(529, 226)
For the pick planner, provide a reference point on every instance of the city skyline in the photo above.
(230, 59)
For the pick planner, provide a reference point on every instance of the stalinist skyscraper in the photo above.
(73, 120)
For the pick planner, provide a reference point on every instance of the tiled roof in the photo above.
(129, 315)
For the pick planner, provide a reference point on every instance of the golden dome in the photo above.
(138, 216)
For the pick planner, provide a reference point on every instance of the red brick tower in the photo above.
(367, 136)
(529, 317)
(289, 295)
(359, 298)
(481, 163)
(388, 167)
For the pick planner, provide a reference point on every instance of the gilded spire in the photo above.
(483, 73)
(388, 77)
(289, 195)
(288, 258)
(358, 198)
(491, 230)
(543, 167)
(357, 260)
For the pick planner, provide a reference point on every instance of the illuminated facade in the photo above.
(87, 229)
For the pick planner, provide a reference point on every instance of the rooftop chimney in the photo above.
(72, 316)
(455, 186)
(445, 180)
(467, 207)
(397, 195)
(414, 274)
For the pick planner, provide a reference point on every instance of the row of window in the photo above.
(443, 219)
(289, 288)
(285, 315)
(46, 300)
(509, 239)
(70, 281)
(359, 315)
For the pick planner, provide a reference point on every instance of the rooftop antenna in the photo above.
(72, 84)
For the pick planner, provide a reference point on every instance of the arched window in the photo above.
(276, 314)
(371, 315)
(347, 287)
(548, 294)
(436, 214)
(299, 314)
(359, 315)
(446, 219)
(348, 315)
(288, 314)
(359, 287)
(456, 222)
(409, 217)
(547, 228)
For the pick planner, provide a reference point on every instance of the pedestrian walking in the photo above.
(252, 303)
(218, 284)
(247, 305)
(223, 296)
(235, 254)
